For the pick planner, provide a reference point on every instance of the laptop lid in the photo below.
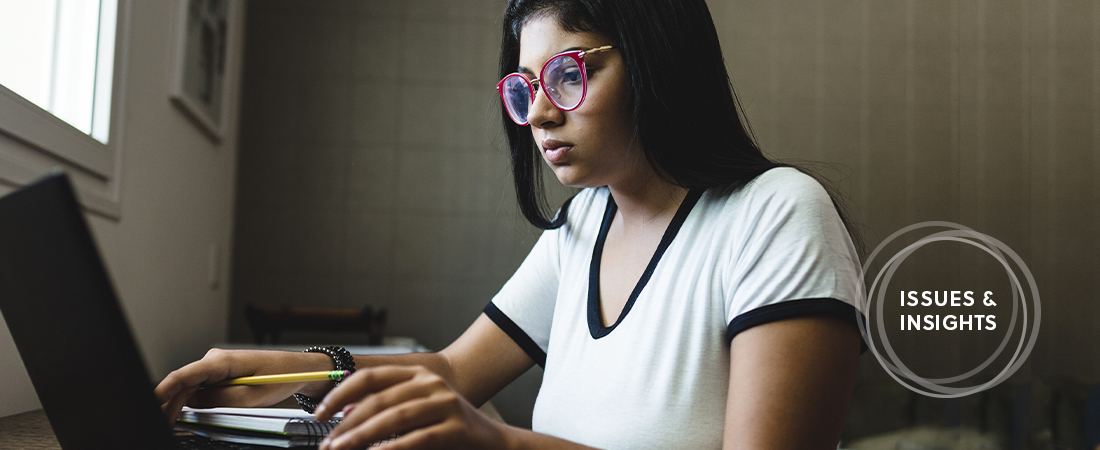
(67, 324)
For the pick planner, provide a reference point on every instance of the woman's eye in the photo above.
(571, 76)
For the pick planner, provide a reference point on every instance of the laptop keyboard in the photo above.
(195, 442)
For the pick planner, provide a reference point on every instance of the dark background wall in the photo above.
(372, 171)
(372, 167)
(984, 113)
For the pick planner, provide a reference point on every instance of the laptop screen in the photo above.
(67, 324)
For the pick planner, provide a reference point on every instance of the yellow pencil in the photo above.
(335, 375)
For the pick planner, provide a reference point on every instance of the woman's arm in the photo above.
(790, 384)
(424, 409)
(480, 363)
(477, 365)
(415, 395)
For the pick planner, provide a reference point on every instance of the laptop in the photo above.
(70, 331)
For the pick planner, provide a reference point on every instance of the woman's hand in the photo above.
(408, 400)
(187, 384)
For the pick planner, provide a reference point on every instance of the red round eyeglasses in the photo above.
(563, 77)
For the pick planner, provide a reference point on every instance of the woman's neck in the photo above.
(646, 199)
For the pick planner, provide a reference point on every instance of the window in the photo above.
(64, 60)
(56, 94)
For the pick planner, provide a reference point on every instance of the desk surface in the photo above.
(30, 430)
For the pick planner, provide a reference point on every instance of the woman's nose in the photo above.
(543, 113)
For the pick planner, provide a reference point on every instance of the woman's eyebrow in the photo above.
(522, 69)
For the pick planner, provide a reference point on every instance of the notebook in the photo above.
(252, 439)
(283, 421)
(65, 319)
(277, 427)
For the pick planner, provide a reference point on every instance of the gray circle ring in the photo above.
(909, 374)
(892, 264)
(993, 245)
(1016, 259)
(1015, 308)
(928, 383)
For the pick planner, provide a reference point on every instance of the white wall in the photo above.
(177, 193)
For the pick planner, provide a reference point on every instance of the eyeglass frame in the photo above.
(576, 55)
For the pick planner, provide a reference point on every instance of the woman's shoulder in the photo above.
(778, 187)
(787, 181)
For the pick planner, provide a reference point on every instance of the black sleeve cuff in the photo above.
(522, 339)
(795, 308)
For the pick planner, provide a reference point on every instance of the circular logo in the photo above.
(876, 295)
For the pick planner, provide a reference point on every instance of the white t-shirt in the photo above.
(658, 377)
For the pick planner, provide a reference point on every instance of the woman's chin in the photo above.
(568, 176)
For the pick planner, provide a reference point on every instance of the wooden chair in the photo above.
(273, 321)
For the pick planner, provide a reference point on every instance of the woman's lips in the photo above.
(555, 150)
(557, 155)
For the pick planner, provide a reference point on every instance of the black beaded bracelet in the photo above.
(308, 404)
(341, 358)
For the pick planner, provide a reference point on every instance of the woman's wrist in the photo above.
(313, 362)
(510, 438)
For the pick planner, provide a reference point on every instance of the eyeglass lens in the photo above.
(562, 79)
(517, 97)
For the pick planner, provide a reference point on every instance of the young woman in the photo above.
(693, 295)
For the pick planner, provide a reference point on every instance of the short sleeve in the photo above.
(796, 258)
(524, 307)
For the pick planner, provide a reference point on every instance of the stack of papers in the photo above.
(277, 427)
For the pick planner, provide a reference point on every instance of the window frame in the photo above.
(34, 142)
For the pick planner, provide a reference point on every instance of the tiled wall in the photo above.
(371, 170)
(372, 167)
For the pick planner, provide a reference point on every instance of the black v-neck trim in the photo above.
(595, 325)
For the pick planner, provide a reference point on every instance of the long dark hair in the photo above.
(685, 109)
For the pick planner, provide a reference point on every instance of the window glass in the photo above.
(63, 58)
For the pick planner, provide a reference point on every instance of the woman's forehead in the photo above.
(542, 37)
